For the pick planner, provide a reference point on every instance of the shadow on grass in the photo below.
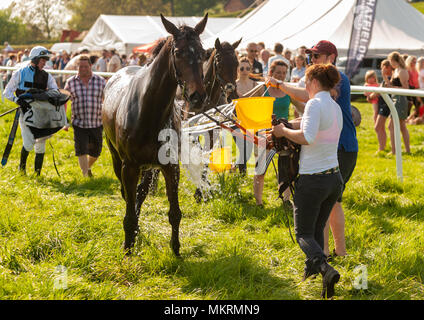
(235, 277)
(86, 188)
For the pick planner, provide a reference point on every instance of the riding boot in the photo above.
(24, 157)
(39, 157)
(330, 277)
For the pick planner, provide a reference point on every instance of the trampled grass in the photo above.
(230, 248)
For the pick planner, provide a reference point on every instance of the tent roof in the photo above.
(125, 32)
(397, 26)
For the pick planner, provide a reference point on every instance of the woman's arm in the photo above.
(404, 78)
(297, 93)
(296, 136)
(257, 91)
(296, 123)
(300, 106)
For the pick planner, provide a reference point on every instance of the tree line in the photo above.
(27, 21)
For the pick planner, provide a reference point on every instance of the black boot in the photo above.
(24, 157)
(39, 157)
(330, 277)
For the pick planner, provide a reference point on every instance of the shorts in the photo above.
(383, 109)
(401, 105)
(88, 141)
(347, 163)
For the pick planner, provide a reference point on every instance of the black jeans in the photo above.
(314, 197)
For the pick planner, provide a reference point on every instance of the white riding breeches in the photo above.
(29, 142)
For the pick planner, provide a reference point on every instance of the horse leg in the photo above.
(172, 177)
(117, 164)
(129, 176)
(143, 189)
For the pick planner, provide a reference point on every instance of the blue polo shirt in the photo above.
(348, 141)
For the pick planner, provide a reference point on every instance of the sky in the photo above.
(5, 3)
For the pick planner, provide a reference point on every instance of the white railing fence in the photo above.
(384, 92)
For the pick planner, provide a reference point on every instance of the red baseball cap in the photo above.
(323, 47)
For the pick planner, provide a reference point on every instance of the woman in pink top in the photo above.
(411, 63)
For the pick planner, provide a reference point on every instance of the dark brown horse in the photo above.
(138, 105)
(220, 70)
(220, 82)
(221, 74)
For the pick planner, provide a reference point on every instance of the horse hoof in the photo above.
(198, 196)
(128, 248)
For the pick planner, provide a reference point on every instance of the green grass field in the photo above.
(230, 248)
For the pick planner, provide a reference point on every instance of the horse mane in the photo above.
(208, 53)
(158, 47)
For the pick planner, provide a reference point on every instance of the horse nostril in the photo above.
(196, 97)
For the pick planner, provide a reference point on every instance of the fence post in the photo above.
(398, 146)
(1, 90)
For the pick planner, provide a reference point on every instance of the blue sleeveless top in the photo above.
(281, 106)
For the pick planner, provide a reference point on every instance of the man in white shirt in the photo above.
(114, 63)
(278, 50)
(101, 65)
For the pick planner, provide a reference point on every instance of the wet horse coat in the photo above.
(139, 103)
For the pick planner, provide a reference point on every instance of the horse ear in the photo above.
(169, 26)
(200, 27)
(218, 44)
(236, 44)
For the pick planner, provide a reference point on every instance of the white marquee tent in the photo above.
(126, 32)
(397, 26)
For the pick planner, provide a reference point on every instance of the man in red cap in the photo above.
(325, 52)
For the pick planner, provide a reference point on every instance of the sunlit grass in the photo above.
(230, 248)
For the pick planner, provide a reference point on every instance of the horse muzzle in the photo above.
(196, 101)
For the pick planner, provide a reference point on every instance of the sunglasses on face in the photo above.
(316, 55)
(244, 68)
(253, 50)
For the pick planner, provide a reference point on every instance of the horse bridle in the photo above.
(223, 85)
(178, 75)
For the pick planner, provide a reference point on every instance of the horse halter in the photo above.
(177, 73)
(225, 87)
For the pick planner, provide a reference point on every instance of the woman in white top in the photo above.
(320, 183)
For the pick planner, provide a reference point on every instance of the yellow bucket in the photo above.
(255, 113)
(220, 160)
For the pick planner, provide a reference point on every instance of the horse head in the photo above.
(187, 59)
(226, 64)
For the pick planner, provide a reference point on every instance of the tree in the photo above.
(12, 30)
(47, 15)
(85, 13)
(194, 7)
